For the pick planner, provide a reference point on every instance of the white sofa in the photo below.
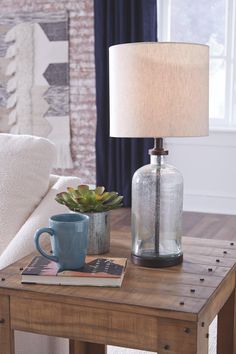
(27, 190)
(27, 200)
(22, 243)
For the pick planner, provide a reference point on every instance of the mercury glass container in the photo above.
(157, 203)
(99, 232)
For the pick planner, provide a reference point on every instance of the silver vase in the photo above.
(99, 233)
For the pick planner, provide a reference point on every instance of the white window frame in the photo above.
(164, 30)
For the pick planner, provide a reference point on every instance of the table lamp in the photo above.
(158, 90)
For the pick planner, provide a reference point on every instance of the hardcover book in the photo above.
(97, 271)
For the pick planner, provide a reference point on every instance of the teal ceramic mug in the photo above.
(69, 239)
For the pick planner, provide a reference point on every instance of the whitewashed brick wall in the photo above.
(82, 76)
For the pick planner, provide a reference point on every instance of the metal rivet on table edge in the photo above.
(187, 330)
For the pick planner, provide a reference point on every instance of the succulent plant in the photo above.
(85, 200)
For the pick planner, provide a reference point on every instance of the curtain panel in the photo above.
(116, 22)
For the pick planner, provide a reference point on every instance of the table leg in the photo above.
(78, 347)
(6, 334)
(226, 335)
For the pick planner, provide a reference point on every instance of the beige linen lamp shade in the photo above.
(159, 89)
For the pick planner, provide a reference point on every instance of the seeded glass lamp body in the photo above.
(157, 203)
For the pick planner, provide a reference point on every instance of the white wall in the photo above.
(209, 168)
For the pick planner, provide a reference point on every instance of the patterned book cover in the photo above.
(99, 267)
(95, 267)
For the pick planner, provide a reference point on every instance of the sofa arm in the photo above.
(22, 244)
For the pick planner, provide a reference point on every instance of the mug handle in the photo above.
(37, 244)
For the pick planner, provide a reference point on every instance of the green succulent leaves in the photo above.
(85, 200)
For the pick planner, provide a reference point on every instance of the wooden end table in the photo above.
(161, 310)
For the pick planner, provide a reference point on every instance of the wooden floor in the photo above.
(214, 226)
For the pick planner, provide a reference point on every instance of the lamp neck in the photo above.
(158, 160)
(158, 149)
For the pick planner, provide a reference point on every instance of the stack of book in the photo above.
(97, 271)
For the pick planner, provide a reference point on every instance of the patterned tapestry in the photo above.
(34, 78)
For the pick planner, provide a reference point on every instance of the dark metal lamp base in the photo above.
(160, 262)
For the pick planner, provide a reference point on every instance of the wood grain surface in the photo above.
(76, 347)
(6, 334)
(193, 282)
(226, 341)
(164, 310)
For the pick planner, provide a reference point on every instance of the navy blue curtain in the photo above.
(116, 22)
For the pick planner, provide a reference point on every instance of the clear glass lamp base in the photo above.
(157, 204)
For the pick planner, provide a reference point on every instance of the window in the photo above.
(209, 22)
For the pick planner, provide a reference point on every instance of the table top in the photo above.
(179, 292)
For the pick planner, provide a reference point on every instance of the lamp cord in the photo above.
(157, 211)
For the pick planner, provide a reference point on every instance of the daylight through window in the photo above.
(209, 22)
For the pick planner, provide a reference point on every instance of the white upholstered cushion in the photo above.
(25, 165)
(22, 244)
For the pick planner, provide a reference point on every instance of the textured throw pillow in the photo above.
(25, 166)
